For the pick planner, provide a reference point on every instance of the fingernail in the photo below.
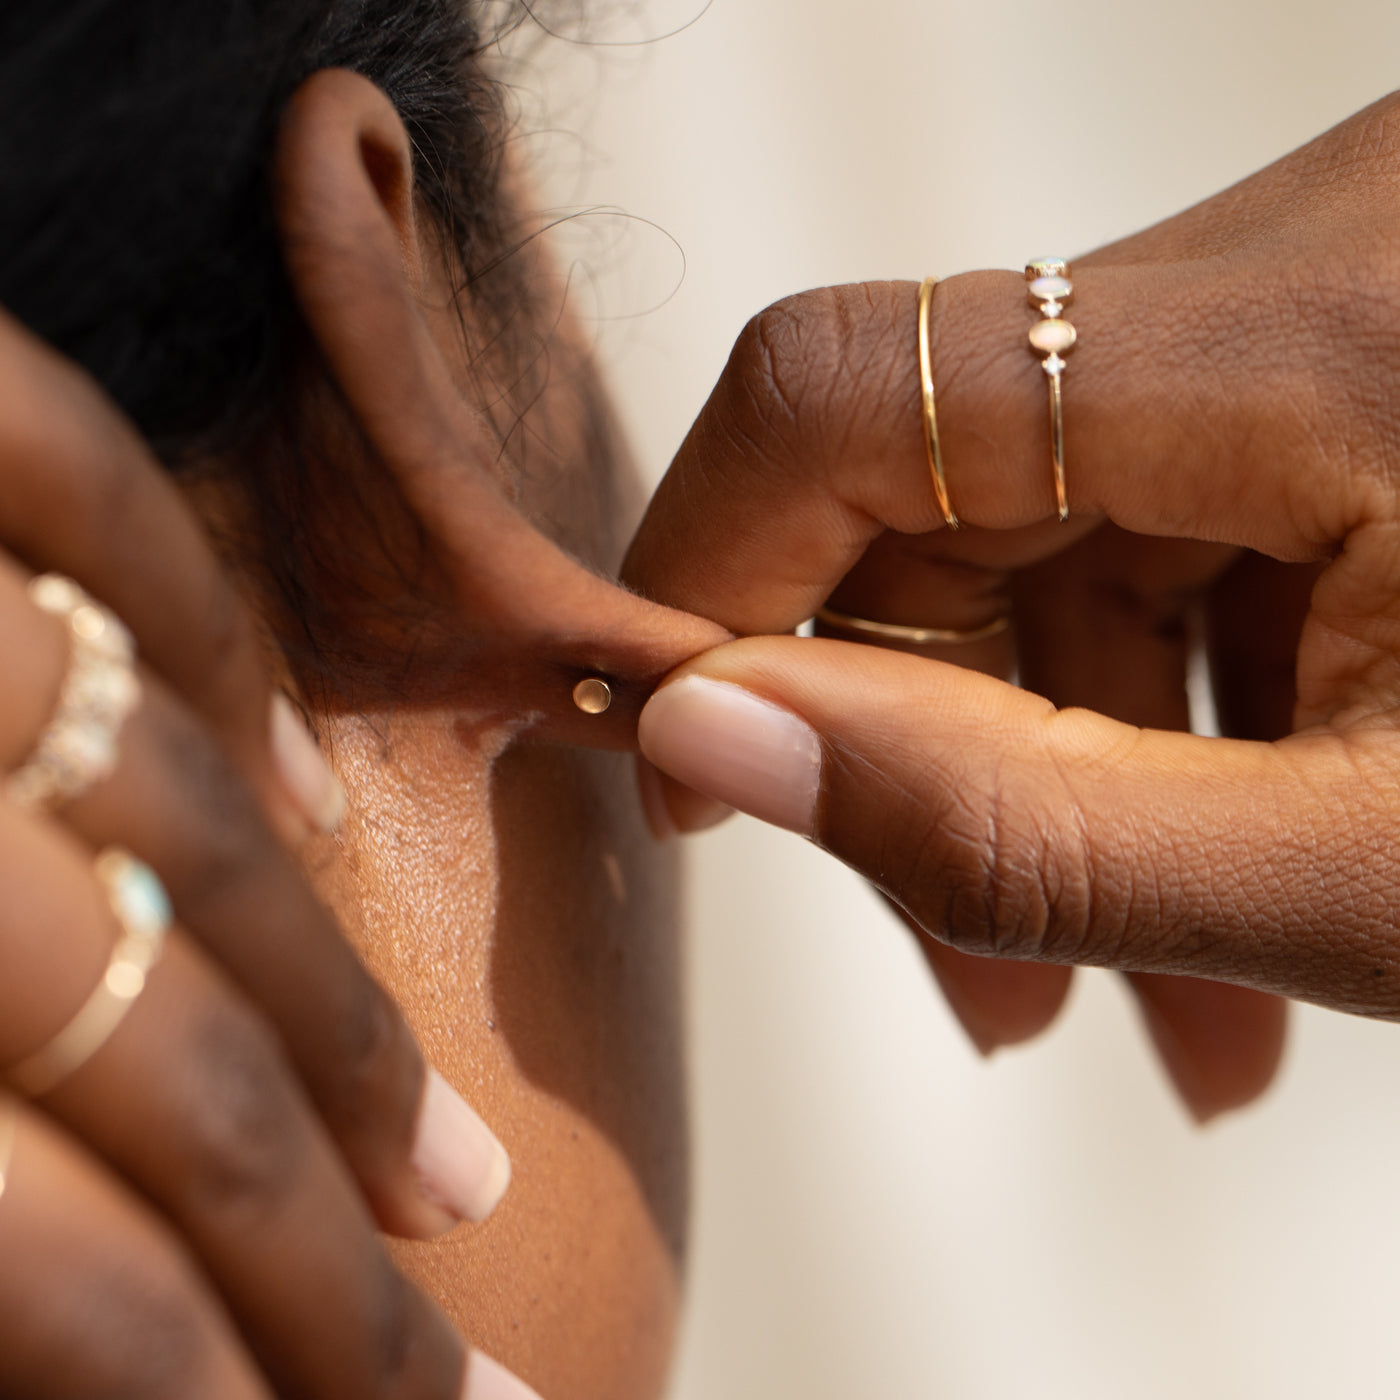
(489, 1380)
(462, 1168)
(304, 771)
(740, 750)
(673, 808)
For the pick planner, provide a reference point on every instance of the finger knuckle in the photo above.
(1014, 875)
(411, 1353)
(229, 668)
(145, 1330)
(245, 1133)
(229, 843)
(784, 361)
(379, 1070)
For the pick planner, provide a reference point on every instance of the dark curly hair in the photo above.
(136, 233)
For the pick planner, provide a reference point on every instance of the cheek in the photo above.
(519, 912)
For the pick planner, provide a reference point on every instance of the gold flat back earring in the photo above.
(593, 695)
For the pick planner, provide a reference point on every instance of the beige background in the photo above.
(879, 1212)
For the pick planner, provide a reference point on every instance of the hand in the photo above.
(1235, 388)
(192, 1210)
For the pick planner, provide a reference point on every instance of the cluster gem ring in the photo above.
(78, 747)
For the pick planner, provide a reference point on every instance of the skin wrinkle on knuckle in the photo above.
(798, 362)
(987, 894)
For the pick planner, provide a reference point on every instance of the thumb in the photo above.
(1007, 828)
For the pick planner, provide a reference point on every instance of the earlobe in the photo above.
(353, 251)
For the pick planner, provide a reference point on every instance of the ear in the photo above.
(343, 189)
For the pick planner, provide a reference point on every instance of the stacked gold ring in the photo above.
(1049, 290)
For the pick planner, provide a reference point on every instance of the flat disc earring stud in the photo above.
(593, 695)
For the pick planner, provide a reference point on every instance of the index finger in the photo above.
(84, 496)
(811, 444)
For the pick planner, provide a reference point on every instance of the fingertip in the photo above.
(487, 1379)
(307, 779)
(1220, 1045)
(998, 1003)
(654, 806)
(736, 749)
(463, 1171)
(672, 808)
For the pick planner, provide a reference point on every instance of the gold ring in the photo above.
(1049, 291)
(917, 636)
(935, 452)
(79, 745)
(9, 1127)
(141, 908)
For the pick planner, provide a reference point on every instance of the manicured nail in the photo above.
(727, 743)
(304, 771)
(489, 1380)
(462, 1168)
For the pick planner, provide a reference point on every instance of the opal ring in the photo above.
(142, 911)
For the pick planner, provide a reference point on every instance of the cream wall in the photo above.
(879, 1212)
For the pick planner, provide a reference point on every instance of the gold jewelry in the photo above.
(935, 453)
(9, 1126)
(141, 908)
(1049, 290)
(917, 636)
(593, 695)
(79, 745)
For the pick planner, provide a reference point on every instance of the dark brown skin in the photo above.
(501, 883)
(1236, 387)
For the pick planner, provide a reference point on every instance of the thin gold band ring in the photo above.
(931, 445)
(916, 636)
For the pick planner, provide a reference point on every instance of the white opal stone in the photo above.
(137, 895)
(1052, 337)
(1050, 289)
